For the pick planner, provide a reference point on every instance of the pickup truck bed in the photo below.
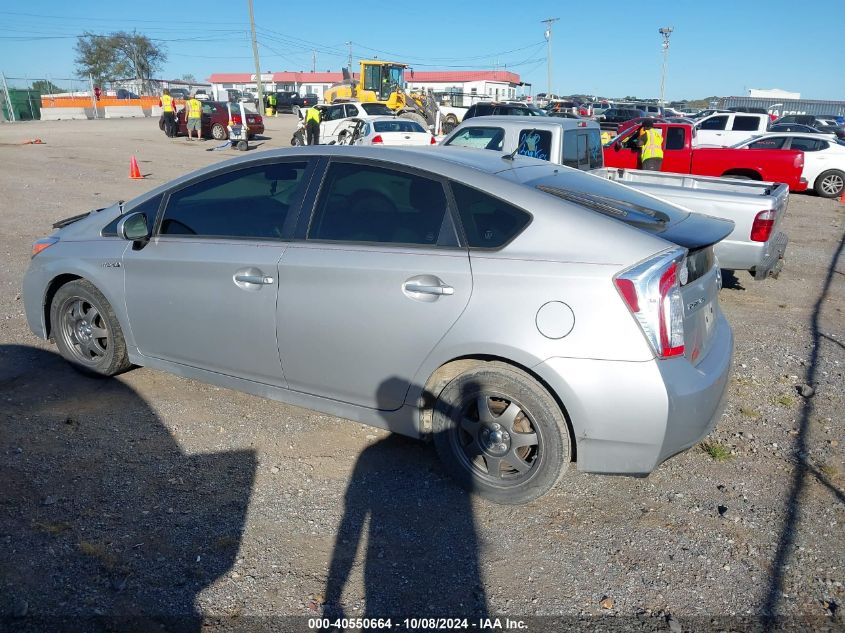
(738, 200)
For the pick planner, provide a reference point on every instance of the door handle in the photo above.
(429, 290)
(254, 279)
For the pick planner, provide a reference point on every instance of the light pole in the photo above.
(548, 34)
(665, 31)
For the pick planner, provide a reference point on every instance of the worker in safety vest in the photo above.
(168, 109)
(651, 146)
(193, 117)
(272, 101)
(312, 126)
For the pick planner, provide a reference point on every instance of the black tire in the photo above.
(298, 139)
(830, 183)
(78, 313)
(414, 116)
(219, 132)
(449, 123)
(294, 110)
(528, 445)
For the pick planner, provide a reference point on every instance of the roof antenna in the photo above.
(518, 147)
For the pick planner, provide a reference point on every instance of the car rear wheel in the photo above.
(86, 330)
(830, 183)
(219, 132)
(501, 434)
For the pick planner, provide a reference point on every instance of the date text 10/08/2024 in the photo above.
(411, 624)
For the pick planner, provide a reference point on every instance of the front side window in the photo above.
(745, 123)
(535, 144)
(488, 222)
(246, 203)
(714, 123)
(366, 203)
(479, 137)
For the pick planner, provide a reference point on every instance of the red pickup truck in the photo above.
(680, 156)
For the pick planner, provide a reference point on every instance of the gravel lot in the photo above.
(154, 496)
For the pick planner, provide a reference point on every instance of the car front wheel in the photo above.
(830, 183)
(86, 330)
(501, 434)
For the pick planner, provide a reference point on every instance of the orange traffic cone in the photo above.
(842, 197)
(134, 172)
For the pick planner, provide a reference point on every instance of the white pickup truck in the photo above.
(724, 129)
(756, 208)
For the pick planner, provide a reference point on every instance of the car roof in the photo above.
(810, 135)
(533, 121)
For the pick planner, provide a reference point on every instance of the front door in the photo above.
(203, 291)
(374, 287)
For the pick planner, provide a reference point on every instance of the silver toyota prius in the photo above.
(520, 314)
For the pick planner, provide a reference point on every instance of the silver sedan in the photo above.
(512, 312)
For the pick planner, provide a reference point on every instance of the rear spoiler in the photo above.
(76, 218)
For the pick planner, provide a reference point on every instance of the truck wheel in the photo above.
(501, 434)
(87, 331)
(219, 132)
(830, 183)
(450, 123)
(295, 110)
(413, 116)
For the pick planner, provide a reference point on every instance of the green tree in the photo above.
(46, 87)
(119, 55)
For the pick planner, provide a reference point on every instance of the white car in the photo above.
(824, 158)
(727, 128)
(390, 130)
(335, 117)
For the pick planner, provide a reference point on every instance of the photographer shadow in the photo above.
(417, 532)
(105, 523)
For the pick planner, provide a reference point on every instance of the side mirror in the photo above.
(133, 227)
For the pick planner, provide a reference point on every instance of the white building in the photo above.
(461, 88)
(773, 93)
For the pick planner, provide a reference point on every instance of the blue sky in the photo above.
(604, 48)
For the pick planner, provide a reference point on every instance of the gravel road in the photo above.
(154, 496)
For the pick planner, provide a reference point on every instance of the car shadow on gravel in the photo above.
(803, 466)
(421, 554)
(105, 523)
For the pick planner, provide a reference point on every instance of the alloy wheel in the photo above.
(833, 184)
(84, 331)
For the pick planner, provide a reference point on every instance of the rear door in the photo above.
(744, 126)
(330, 122)
(676, 149)
(816, 160)
(375, 283)
(203, 291)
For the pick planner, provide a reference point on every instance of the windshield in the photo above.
(376, 109)
(398, 125)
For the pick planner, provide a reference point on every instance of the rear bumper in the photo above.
(629, 417)
(801, 186)
(764, 258)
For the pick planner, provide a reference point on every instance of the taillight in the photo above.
(799, 160)
(377, 139)
(764, 222)
(652, 292)
(236, 119)
(43, 244)
(257, 119)
(433, 141)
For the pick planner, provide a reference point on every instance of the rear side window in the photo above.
(479, 137)
(746, 123)
(808, 145)
(366, 203)
(768, 143)
(715, 123)
(148, 208)
(488, 222)
(582, 149)
(246, 203)
(535, 144)
(397, 125)
(675, 137)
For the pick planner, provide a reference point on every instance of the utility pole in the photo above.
(258, 83)
(349, 63)
(548, 22)
(313, 61)
(665, 31)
